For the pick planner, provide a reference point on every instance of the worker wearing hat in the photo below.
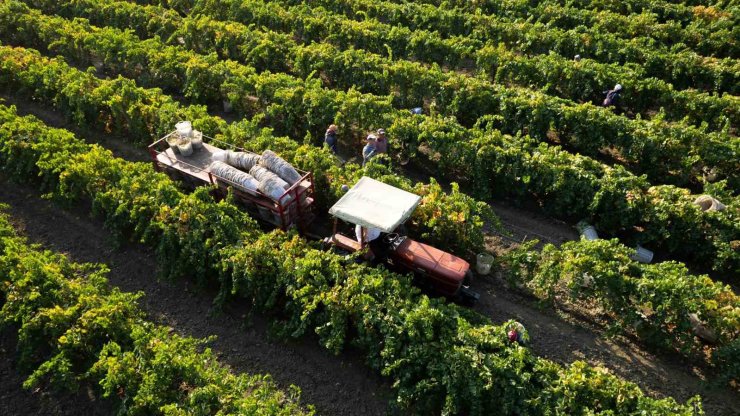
(612, 96)
(370, 148)
(381, 144)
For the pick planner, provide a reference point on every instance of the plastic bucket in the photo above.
(587, 231)
(197, 139)
(483, 264)
(642, 255)
(185, 148)
(708, 203)
(172, 141)
(184, 128)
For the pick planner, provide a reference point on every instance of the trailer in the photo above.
(293, 208)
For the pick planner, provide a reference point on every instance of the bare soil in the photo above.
(343, 385)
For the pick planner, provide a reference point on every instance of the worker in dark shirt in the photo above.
(330, 138)
(612, 96)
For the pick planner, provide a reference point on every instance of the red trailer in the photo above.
(292, 208)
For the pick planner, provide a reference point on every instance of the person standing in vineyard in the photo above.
(381, 145)
(330, 138)
(612, 96)
(370, 149)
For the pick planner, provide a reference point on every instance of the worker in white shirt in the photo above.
(370, 233)
(372, 239)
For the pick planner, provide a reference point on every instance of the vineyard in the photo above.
(511, 152)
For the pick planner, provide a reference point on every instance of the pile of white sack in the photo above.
(269, 173)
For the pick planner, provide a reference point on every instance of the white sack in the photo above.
(220, 156)
(242, 160)
(262, 175)
(280, 167)
(236, 178)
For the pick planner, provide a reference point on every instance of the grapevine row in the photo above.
(567, 186)
(124, 48)
(713, 40)
(72, 330)
(655, 302)
(664, 10)
(585, 128)
(411, 83)
(436, 357)
(707, 34)
(682, 69)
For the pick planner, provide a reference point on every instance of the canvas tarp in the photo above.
(371, 203)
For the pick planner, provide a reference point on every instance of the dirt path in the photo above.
(556, 335)
(337, 385)
(523, 225)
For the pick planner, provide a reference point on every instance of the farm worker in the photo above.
(330, 138)
(377, 250)
(577, 58)
(516, 333)
(381, 145)
(370, 149)
(417, 110)
(371, 233)
(612, 96)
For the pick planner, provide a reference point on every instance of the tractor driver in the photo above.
(373, 240)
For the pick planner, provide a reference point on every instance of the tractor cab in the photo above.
(375, 206)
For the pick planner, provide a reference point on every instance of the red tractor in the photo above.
(378, 208)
